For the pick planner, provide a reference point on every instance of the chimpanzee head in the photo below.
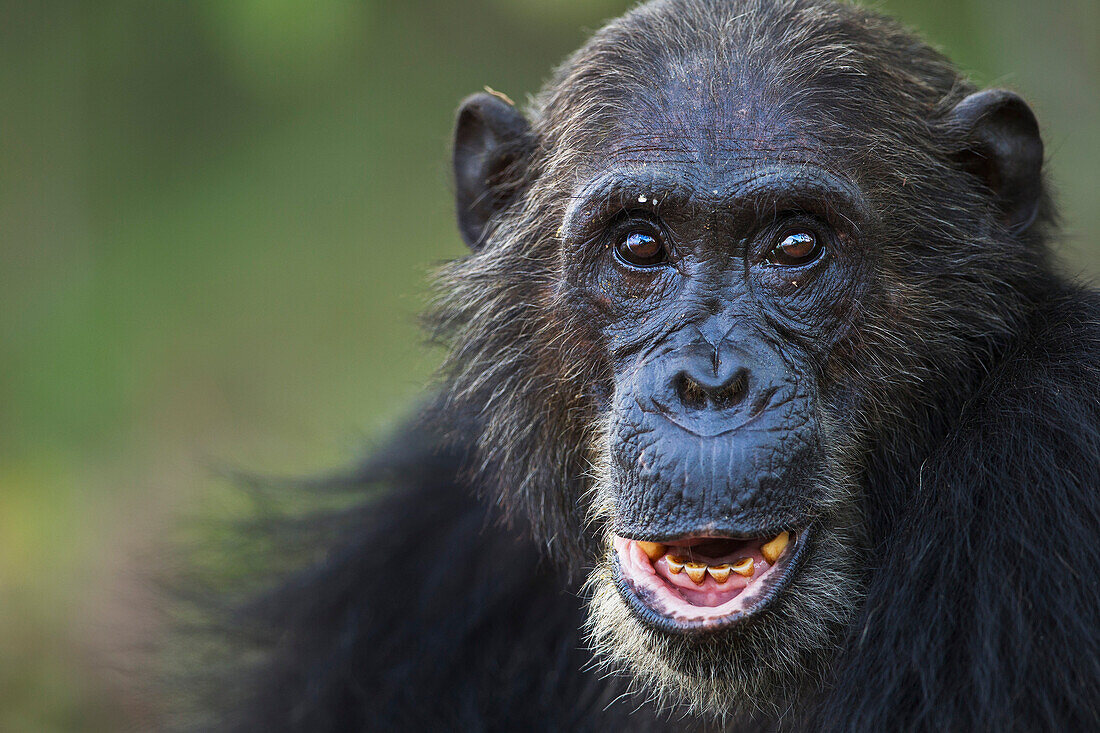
(736, 250)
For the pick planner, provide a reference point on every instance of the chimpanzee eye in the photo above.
(641, 248)
(795, 248)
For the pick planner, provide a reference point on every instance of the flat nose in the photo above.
(700, 388)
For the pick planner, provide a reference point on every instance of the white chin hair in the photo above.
(754, 668)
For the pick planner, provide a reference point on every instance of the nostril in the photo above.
(696, 396)
(732, 393)
(691, 393)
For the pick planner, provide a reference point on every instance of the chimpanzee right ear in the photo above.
(492, 145)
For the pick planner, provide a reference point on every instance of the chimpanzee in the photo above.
(765, 409)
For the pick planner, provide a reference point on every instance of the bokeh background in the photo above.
(216, 219)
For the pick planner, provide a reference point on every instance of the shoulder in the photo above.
(981, 612)
(427, 615)
(1042, 399)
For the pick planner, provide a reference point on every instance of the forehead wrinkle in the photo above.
(712, 106)
(718, 103)
(709, 143)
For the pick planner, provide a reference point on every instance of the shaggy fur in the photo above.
(956, 586)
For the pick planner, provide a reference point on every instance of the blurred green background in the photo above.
(216, 218)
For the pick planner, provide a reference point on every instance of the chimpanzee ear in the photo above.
(491, 148)
(1001, 145)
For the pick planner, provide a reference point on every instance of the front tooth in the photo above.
(743, 567)
(720, 573)
(653, 550)
(697, 571)
(772, 550)
(675, 564)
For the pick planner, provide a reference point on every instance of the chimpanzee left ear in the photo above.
(1001, 145)
(491, 146)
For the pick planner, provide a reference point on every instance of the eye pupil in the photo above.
(798, 245)
(642, 246)
(641, 249)
(795, 248)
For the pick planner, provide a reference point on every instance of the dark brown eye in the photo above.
(641, 248)
(795, 249)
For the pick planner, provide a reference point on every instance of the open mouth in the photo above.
(704, 583)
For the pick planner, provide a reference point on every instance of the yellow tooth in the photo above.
(720, 573)
(653, 550)
(772, 550)
(675, 564)
(743, 567)
(697, 571)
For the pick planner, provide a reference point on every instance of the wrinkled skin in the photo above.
(720, 316)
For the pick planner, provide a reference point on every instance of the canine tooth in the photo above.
(743, 567)
(675, 564)
(697, 571)
(720, 573)
(772, 550)
(653, 550)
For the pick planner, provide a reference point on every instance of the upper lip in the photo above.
(709, 534)
(737, 526)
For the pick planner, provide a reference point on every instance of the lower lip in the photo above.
(666, 609)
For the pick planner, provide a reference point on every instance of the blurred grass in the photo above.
(215, 223)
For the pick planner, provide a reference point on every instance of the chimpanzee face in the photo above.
(706, 283)
(719, 268)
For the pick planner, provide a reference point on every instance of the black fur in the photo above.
(965, 391)
(433, 618)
